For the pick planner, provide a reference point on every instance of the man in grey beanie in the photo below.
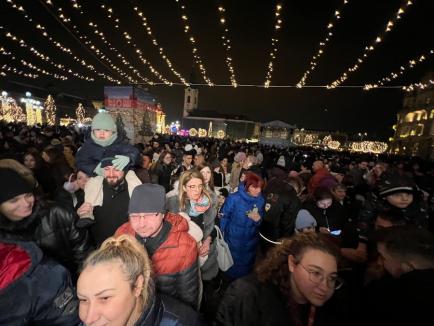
(166, 239)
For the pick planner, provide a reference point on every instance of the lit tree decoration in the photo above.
(146, 128)
(50, 110)
(122, 134)
(80, 112)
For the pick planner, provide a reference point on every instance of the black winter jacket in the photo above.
(53, 229)
(90, 154)
(34, 290)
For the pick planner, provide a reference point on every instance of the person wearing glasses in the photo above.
(289, 287)
(165, 236)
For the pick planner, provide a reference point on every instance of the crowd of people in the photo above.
(96, 231)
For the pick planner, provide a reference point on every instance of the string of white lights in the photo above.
(30, 65)
(370, 48)
(129, 40)
(5, 69)
(274, 41)
(402, 69)
(322, 45)
(159, 48)
(420, 85)
(42, 56)
(227, 44)
(193, 42)
(42, 29)
(86, 42)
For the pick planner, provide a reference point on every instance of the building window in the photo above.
(188, 99)
(268, 133)
(409, 117)
(419, 129)
(284, 134)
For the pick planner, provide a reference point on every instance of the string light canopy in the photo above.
(274, 41)
(43, 31)
(130, 41)
(402, 69)
(227, 44)
(160, 49)
(193, 42)
(5, 69)
(373, 45)
(322, 45)
(420, 85)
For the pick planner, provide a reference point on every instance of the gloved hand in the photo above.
(120, 162)
(99, 170)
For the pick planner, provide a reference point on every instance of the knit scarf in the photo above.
(199, 207)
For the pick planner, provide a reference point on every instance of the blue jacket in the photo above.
(241, 232)
(90, 154)
(34, 290)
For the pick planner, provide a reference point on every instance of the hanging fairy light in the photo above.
(420, 85)
(129, 40)
(192, 40)
(274, 41)
(227, 44)
(42, 29)
(395, 74)
(6, 68)
(322, 45)
(370, 48)
(160, 49)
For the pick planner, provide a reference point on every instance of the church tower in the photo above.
(191, 96)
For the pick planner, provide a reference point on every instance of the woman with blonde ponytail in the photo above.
(115, 287)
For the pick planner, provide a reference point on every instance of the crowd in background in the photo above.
(94, 229)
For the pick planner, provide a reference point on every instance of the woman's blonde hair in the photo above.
(133, 258)
(183, 180)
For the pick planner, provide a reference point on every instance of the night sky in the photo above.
(251, 27)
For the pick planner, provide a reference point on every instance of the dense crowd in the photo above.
(203, 231)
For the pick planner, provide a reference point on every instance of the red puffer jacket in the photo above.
(174, 258)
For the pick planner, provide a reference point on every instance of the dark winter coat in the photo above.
(174, 258)
(53, 229)
(160, 174)
(248, 302)
(281, 208)
(333, 218)
(90, 154)
(240, 231)
(33, 289)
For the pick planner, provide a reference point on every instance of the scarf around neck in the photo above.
(199, 207)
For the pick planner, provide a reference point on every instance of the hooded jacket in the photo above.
(53, 229)
(174, 258)
(34, 290)
(240, 231)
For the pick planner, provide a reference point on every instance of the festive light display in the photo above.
(370, 48)
(42, 56)
(220, 134)
(129, 40)
(314, 61)
(42, 29)
(393, 75)
(202, 132)
(210, 129)
(274, 41)
(227, 44)
(6, 68)
(80, 112)
(192, 40)
(50, 110)
(375, 147)
(420, 85)
(33, 110)
(160, 49)
(10, 110)
(192, 132)
(334, 144)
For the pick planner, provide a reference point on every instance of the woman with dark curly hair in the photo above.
(297, 277)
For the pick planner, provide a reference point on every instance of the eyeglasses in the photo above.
(136, 216)
(194, 187)
(317, 277)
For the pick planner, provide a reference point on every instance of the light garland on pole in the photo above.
(227, 44)
(39, 27)
(192, 40)
(393, 75)
(137, 51)
(50, 110)
(314, 61)
(370, 48)
(160, 49)
(274, 41)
